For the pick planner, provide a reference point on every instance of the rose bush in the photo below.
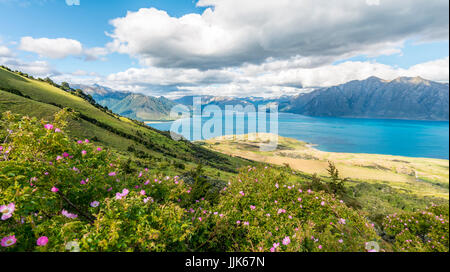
(63, 194)
(419, 231)
(263, 210)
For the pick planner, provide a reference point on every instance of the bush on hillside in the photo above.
(263, 211)
(74, 191)
(62, 194)
(426, 230)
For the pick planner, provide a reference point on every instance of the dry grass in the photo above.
(421, 176)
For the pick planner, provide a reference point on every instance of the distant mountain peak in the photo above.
(133, 105)
(412, 80)
(374, 78)
(402, 98)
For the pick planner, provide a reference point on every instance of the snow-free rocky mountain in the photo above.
(133, 105)
(223, 101)
(402, 98)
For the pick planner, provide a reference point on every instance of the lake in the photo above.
(428, 139)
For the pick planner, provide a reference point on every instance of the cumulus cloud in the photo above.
(434, 70)
(331, 75)
(5, 51)
(80, 77)
(373, 2)
(35, 68)
(165, 76)
(51, 48)
(95, 53)
(83, 73)
(234, 32)
(60, 48)
(271, 78)
(254, 47)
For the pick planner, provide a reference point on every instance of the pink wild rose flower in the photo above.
(8, 241)
(42, 241)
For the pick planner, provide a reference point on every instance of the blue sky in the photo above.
(86, 23)
(228, 47)
(411, 54)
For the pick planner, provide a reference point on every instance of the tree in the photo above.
(65, 86)
(49, 81)
(201, 186)
(337, 184)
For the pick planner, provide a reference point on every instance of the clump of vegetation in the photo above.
(63, 194)
(43, 98)
(263, 210)
(75, 192)
(419, 231)
(335, 185)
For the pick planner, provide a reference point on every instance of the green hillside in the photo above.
(38, 98)
(58, 195)
(143, 108)
(133, 188)
(132, 105)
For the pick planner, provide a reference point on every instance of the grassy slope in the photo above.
(79, 128)
(420, 176)
(164, 149)
(110, 130)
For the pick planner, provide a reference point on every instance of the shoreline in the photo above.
(158, 122)
(423, 176)
(313, 146)
(419, 139)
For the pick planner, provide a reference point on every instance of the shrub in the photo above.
(419, 231)
(263, 211)
(59, 194)
(49, 183)
(137, 223)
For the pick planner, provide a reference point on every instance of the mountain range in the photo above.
(402, 98)
(223, 101)
(132, 105)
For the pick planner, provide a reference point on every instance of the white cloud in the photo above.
(82, 73)
(373, 2)
(338, 74)
(79, 77)
(95, 53)
(272, 78)
(35, 68)
(5, 51)
(60, 48)
(234, 32)
(51, 48)
(434, 70)
(254, 47)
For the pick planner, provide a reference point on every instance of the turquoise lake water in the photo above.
(427, 139)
